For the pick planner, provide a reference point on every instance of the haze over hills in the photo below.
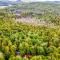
(8, 2)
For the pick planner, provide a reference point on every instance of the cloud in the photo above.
(12, 0)
(27, 0)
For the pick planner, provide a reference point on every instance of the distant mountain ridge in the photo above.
(7, 2)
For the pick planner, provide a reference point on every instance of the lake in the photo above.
(2, 7)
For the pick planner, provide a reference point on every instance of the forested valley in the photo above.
(21, 40)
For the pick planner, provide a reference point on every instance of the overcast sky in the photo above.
(35, 0)
(39, 0)
(32, 0)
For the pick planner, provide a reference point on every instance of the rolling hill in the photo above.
(7, 2)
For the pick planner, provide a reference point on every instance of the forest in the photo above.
(22, 41)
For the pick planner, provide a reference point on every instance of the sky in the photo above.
(38, 0)
(33, 0)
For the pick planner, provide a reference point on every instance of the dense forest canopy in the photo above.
(22, 41)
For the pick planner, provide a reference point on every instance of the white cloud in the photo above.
(12, 0)
(27, 0)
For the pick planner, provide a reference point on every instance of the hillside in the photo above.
(30, 31)
(39, 7)
(48, 11)
(7, 2)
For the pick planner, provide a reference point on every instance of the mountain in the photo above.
(37, 7)
(7, 2)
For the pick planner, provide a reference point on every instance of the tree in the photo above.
(1, 56)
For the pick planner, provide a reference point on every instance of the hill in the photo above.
(48, 11)
(23, 38)
(7, 2)
(38, 7)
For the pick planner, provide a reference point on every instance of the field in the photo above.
(29, 35)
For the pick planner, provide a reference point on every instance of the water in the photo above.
(2, 7)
